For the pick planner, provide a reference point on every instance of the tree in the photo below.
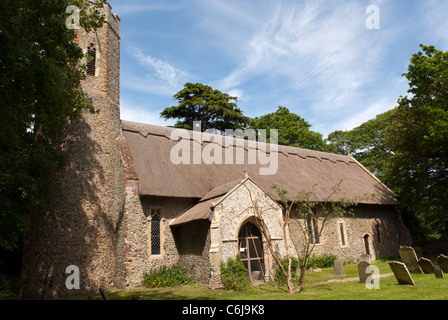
(366, 143)
(293, 130)
(300, 213)
(418, 169)
(213, 108)
(41, 92)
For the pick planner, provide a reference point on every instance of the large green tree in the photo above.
(40, 92)
(197, 102)
(366, 143)
(418, 170)
(293, 130)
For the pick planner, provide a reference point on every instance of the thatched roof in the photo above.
(298, 169)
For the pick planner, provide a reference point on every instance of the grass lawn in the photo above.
(316, 287)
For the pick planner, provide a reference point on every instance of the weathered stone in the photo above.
(438, 272)
(426, 265)
(365, 257)
(409, 258)
(418, 252)
(338, 268)
(442, 260)
(401, 273)
(363, 272)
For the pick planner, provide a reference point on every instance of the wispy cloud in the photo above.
(314, 44)
(435, 18)
(315, 57)
(163, 70)
(156, 76)
(322, 51)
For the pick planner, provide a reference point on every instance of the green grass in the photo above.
(427, 287)
(316, 287)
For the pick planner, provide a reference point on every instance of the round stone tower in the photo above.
(74, 247)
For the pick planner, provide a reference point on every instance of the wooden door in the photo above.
(250, 246)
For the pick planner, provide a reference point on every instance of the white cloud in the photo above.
(322, 52)
(315, 57)
(365, 114)
(236, 93)
(436, 22)
(161, 70)
(142, 114)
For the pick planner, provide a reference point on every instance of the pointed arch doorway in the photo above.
(250, 246)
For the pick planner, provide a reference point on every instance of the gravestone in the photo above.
(426, 265)
(442, 260)
(438, 272)
(409, 258)
(418, 252)
(401, 273)
(365, 257)
(338, 268)
(362, 271)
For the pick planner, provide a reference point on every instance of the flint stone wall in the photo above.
(81, 222)
(230, 215)
(382, 224)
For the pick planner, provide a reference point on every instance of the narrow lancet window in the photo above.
(91, 65)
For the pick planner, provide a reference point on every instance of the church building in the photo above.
(138, 196)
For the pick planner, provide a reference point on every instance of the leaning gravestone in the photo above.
(438, 272)
(442, 260)
(418, 252)
(362, 271)
(409, 258)
(401, 273)
(338, 268)
(426, 265)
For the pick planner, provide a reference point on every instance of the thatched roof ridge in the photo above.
(298, 169)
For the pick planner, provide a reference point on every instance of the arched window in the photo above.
(366, 243)
(156, 215)
(91, 65)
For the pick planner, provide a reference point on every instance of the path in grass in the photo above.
(350, 279)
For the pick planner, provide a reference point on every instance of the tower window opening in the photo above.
(91, 51)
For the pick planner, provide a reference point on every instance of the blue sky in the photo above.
(316, 58)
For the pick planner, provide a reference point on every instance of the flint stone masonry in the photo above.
(82, 223)
(401, 273)
(426, 265)
(365, 257)
(409, 257)
(230, 215)
(362, 271)
(442, 260)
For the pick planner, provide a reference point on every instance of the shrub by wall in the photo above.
(166, 277)
(234, 275)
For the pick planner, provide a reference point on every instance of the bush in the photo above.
(324, 261)
(166, 277)
(279, 277)
(234, 275)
